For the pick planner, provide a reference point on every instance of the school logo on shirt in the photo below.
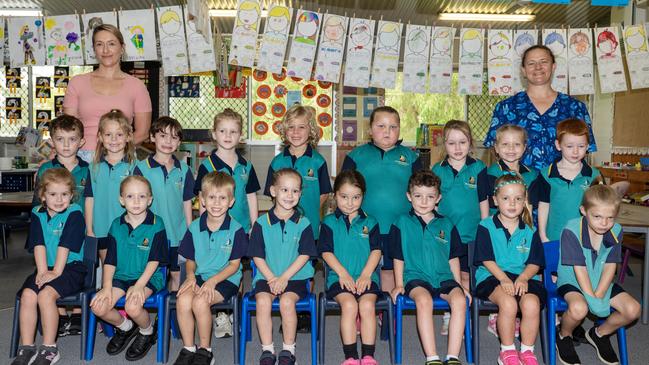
(227, 245)
(145, 243)
(310, 175)
(82, 182)
(522, 248)
(441, 237)
(470, 183)
(180, 183)
(58, 230)
(244, 176)
(402, 160)
(365, 232)
(585, 185)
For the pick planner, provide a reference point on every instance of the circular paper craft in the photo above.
(324, 100)
(324, 84)
(309, 91)
(296, 79)
(320, 132)
(259, 108)
(276, 127)
(278, 110)
(280, 77)
(263, 91)
(324, 119)
(259, 75)
(261, 127)
(280, 90)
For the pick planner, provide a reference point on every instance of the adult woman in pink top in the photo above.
(93, 94)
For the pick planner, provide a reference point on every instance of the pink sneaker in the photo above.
(351, 361)
(528, 358)
(509, 357)
(491, 326)
(368, 360)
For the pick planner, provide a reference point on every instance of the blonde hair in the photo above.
(110, 29)
(300, 111)
(515, 178)
(134, 178)
(500, 132)
(118, 117)
(601, 195)
(217, 180)
(228, 114)
(458, 125)
(279, 11)
(58, 175)
(168, 16)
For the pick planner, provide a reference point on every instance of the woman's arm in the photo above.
(142, 123)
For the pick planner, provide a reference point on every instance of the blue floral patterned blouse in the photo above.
(541, 129)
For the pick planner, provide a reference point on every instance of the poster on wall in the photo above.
(470, 70)
(637, 55)
(415, 58)
(580, 61)
(26, 43)
(43, 88)
(359, 53)
(13, 109)
(201, 51)
(499, 61)
(61, 77)
(90, 22)
(184, 87)
(138, 29)
(555, 39)
(331, 49)
(304, 44)
(386, 55)
(275, 39)
(43, 117)
(173, 46)
(609, 60)
(441, 59)
(244, 35)
(63, 40)
(523, 39)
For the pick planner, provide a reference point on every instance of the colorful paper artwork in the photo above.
(441, 59)
(173, 47)
(275, 39)
(369, 104)
(61, 77)
(58, 105)
(499, 61)
(12, 77)
(244, 35)
(2, 37)
(359, 52)
(63, 40)
(138, 29)
(90, 22)
(43, 116)
(349, 106)
(523, 39)
(555, 39)
(415, 58)
(386, 55)
(304, 45)
(470, 70)
(350, 131)
(201, 49)
(43, 88)
(609, 60)
(637, 55)
(26, 43)
(580, 61)
(13, 109)
(184, 87)
(332, 48)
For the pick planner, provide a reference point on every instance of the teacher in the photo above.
(93, 94)
(538, 109)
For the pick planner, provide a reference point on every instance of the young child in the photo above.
(213, 246)
(509, 256)
(281, 244)
(113, 162)
(172, 182)
(56, 237)
(426, 248)
(137, 248)
(561, 185)
(386, 166)
(590, 250)
(350, 245)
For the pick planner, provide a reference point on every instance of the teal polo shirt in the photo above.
(497, 170)
(511, 252)
(281, 242)
(131, 249)
(79, 172)
(386, 175)
(245, 182)
(462, 192)
(170, 190)
(563, 195)
(213, 251)
(65, 229)
(315, 180)
(425, 248)
(351, 242)
(103, 187)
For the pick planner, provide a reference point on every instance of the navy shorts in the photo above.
(336, 289)
(70, 282)
(445, 287)
(295, 286)
(567, 288)
(387, 263)
(173, 259)
(485, 288)
(225, 288)
(102, 243)
(125, 284)
(464, 257)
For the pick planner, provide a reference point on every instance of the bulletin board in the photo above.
(356, 106)
(630, 119)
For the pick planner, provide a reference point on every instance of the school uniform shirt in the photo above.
(315, 180)
(386, 175)
(563, 195)
(281, 242)
(497, 170)
(462, 192)
(103, 187)
(511, 252)
(131, 249)
(213, 251)
(351, 243)
(170, 190)
(79, 172)
(425, 248)
(65, 229)
(245, 182)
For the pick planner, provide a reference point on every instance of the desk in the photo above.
(635, 219)
(19, 199)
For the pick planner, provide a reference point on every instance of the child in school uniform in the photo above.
(172, 183)
(56, 237)
(426, 248)
(590, 251)
(213, 246)
(350, 245)
(509, 256)
(137, 247)
(281, 244)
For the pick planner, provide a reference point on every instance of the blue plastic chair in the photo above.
(81, 299)
(557, 304)
(304, 305)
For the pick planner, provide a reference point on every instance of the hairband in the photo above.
(508, 182)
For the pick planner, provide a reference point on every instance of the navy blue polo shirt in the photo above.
(65, 229)
(79, 172)
(497, 170)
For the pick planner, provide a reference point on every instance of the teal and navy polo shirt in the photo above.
(281, 242)
(131, 249)
(462, 192)
(315, 180)
(65, 229)
(425, 248)
(351, 242)
(79, 172)
(497, 170)
(170, 190)
(564, 196)
(103, 187)
(245, 182)
(386, 175)
(213, 251)
(511, 252)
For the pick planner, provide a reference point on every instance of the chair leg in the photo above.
(84, 323)
(166, 337)
(92, 329)
(621, 345)
(5, 249)
(391, 329)
(625, 264)
(161, 313)
(236, 332)
(552, 335)
(321, 328)
(245, 328)
(15, 330)
(475, 327)
(314, 331)
(468, 345)
(544, 335)
(398, 337)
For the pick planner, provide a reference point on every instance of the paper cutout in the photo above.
(26, 43)
(273, 45)
(13, 77)
(43, 88)
(332, 48)
(415, 58)
(13, 109)
(609, 60)
(2, 37)
(90, 22)
(350, 131)
(138, 29)
(499, 62)
(58, 105)
(580, 62)
(304, 45)
(172, 41)
(386, 55)
(637, 55)
(359, 52)
(201, 52)
(63, 40)
(43, 116)
(61, 77)
(441, 59)
(523, 39)
(470, 70)
(244, 34)
(555, 39)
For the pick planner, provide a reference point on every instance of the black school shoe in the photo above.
(120, 340)
(285, 358)
(203, 357)
(566, 350)
(304, 323)
(267, 358)
(64, 323)
(452, 361)
(185, 357)
(579, 335)
(74, 325)
(141, 345)
(603, 346)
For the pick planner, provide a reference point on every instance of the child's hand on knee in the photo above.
(278, 285)
(188, 284)
(105, 295)
(347, 283)
(207, 291)
(508, 286)
(135, 295)
(362, 284)
(520, 286)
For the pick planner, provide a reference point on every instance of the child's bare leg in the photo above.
(28, 316)
(627, 310)
(49, 314)
(203, 314)
(507, 309)
(107, 311)
(367, 309)
(464, 279)
(264, 319)
(577, 311)
(531, 312)
(457, 302)
(102, 255)
(174, 280)
(348, 313)
(425, 326)
(186, 317)
(387, 280)
(137, 313)
(289, 316)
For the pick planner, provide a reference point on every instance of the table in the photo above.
(19, 199)
(635, 219)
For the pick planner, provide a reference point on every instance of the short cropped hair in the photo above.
(217, 180)
(572, 126)
(424, 178)
(162, 123)
(68, 123)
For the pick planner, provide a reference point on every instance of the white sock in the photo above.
(190, 348)
(289, 348)
(431, 358)
(448, 357)
(209, 349)
(507, 347)
(270, 348)
(525, 347)
(147, 331)
(126, 325)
